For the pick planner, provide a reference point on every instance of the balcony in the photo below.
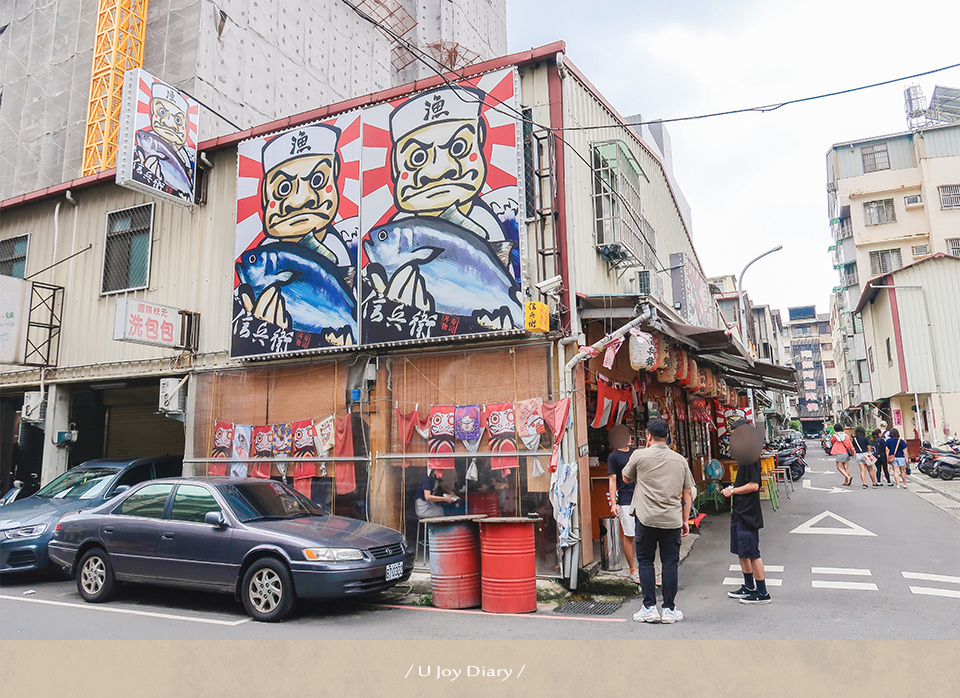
(841, 229)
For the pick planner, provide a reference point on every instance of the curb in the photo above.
(926, 482)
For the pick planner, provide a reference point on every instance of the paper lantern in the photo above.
(643, 351)
(692, 378)
(683, 364)
(668, 374)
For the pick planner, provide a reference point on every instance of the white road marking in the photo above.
(930, 591)
(737, 581)
(768, 568)
(851, 529)
(831, 490)
(129, 611)
(862, 586)
(922, 576)
(841, 570)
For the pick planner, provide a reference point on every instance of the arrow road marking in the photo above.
(851, 529)
(841, 570)
(832, 490)
(861, 586)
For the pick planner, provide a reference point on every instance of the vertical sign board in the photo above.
(398, 223)
(157, 142)
(692, 290)
(146, 323)
(14, 317)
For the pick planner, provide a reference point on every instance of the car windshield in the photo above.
(259, 501)
(79, 483)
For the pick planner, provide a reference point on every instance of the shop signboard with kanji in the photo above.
(397, 223)
(157, 139)
(14, 317)
(147, 323)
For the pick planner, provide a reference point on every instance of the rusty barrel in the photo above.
(454, 561)
(508, 564)
(487, 503)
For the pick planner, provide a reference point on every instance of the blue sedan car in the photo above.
(259, 540)
(27, 525)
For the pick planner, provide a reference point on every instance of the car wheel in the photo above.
(95, 580)
(268, 593)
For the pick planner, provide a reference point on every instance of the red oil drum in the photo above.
(508, 565)
(455, 562)
(487, 503)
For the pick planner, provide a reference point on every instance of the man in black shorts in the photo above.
(746, 447)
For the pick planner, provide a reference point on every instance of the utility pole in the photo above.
(743, 317)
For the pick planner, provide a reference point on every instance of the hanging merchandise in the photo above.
(563, 497)
(222, 446)
(282, 445)
(304, 446)
(643, 351)
(636, 392)
(592, 352)
(325, 437)
(468, 428)
(500, 421)
(683, 365)
(240, 449)
(530, 427)
(699, 411)
(692, 380)
(555, 415)
(406, 424)
(345, 473)
(680, 410)
(668, 374)
(262, 448)
(611, 352)
(608, 399)
(442, 432)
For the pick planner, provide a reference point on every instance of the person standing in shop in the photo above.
(621, 493)
(746, 519)
(661, 503)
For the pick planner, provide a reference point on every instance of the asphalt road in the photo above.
(902, 582)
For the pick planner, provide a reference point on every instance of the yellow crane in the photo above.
(118, 47)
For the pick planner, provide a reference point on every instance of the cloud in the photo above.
(754, 180)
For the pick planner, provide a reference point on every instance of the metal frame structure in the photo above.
(43, 325)
(118, 47)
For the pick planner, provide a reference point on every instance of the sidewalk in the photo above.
(944, 495)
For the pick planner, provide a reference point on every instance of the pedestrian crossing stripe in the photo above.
(768, 568)
(858, 586)
(851, 529)
(853, 571)
(737, 581)
(930, 591)
(923, 577)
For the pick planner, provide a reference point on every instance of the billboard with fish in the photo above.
(440, 251)
(428, 248)
(157, 141)
(295, 280)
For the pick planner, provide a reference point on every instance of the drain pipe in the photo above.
(569, 439)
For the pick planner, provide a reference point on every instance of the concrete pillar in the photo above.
(54, 461)
(189, 430)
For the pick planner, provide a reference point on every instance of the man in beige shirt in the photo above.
(661, 505)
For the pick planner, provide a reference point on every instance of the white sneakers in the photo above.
(651, 615)
(647, 615)
(671, 615)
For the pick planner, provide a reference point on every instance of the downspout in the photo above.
(569, 437)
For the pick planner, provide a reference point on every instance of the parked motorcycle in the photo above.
(931, 459)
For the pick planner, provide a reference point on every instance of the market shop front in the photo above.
(358, 433)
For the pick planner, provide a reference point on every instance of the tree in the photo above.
(796, 425)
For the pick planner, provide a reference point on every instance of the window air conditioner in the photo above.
(34, 408)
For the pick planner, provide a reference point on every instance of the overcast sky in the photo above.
(755, 180)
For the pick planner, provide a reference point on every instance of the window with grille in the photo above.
(879, 212)
(870, 358)
(875, 157)
(126, 254)
(953, 246)
(529, 164)
(863, 375)
(849, 274)
(858, 324)
(884, 261)
(616, 201)
(950, 196)
(13, 256)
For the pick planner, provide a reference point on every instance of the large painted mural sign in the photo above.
(398, 223)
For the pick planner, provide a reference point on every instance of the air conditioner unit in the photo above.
(920, 250)
(34, 408)
(913, 201)
(173, 396)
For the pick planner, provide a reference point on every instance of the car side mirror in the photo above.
(119, 489)
(215, 518)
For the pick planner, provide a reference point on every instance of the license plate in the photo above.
(394, 571)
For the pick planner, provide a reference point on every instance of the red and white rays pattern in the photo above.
(249, 231)
(145, 94)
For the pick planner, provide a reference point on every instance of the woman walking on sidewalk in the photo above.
(897, 456)
(841, 448)
(879, 445)
(864, 457)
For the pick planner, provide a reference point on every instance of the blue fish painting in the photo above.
(314, 292)
(462, 273)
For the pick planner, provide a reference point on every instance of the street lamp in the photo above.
(743, 314)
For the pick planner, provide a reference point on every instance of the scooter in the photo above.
(948, 467)
(929, 464)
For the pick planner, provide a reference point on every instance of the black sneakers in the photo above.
(741, 593)
(756, 597)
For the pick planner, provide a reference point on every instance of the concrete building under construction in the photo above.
(251, 61)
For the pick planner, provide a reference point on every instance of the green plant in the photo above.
(796, 425)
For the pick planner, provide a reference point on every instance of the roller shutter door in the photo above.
(134, 431)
